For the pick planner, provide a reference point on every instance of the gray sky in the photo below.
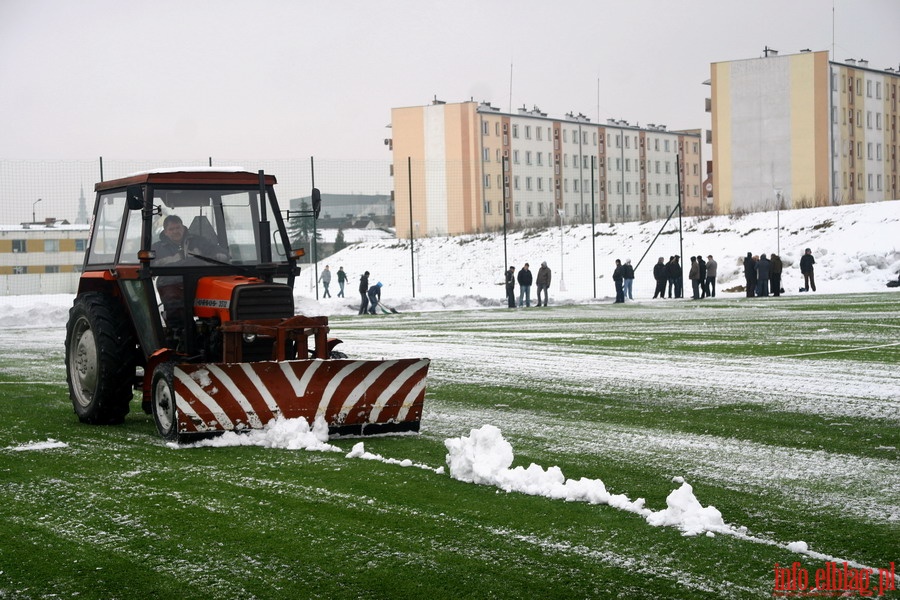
(292, 79)
(182, 80)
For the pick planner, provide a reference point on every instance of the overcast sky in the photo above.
(292, 79)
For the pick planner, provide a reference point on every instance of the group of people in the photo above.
(763, 274)
(623, 278)
(325, 278)
(703, 277)
(668, 275)
(526, 279)
(370, 296)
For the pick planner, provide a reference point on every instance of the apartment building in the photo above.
(469, 167)
(41, 258)
(801, 130)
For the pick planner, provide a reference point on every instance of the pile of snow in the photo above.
(485, 457)
(287, 434)
(50, 444)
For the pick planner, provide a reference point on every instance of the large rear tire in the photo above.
(100, 365)
(163, 401)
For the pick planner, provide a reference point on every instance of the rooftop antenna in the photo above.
(510, 85)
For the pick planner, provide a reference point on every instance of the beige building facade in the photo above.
(800, 130)
(469, 167)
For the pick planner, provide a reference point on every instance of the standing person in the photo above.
(711, 271)
(325, 278)
(670, 275)
(374, 297)
(543, 282)
(525, 280)
(763, 266)
(363, 290)
(628, 278)
(511, 287)
(704, 291)
(342, 279)
(617, 280)
(659, 274)
(678, 277)
(806, 267)
(775, 274)
(694, 276)
(750, 275)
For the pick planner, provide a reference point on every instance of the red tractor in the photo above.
(187, 295)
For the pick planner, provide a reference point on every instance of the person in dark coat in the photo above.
(363, 290)
(775, 274)
(750, 274)
(342, 279)
(659, 274)
(675, 274)
(806, 267)
(618, 278)
(701, 264)
(525, 280)
(543, 282)
(763, 267)
(374, 294)
(511, 287)
(694, 276)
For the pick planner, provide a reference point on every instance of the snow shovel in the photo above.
(387, 309)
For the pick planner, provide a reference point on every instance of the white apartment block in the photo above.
(800, 130)
(475, 168)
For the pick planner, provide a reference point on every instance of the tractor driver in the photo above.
(176, 245)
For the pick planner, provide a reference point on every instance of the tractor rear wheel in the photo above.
(163, 401)
(100, 365)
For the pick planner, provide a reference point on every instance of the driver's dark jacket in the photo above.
(168, 253)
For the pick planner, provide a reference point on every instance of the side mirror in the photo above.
(316, 202)
(134, 197)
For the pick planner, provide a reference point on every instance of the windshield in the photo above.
(213, 223)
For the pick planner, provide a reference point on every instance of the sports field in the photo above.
(783, 414)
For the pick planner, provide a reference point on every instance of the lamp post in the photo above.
(562, 283)
(33, 218)
(778, 218)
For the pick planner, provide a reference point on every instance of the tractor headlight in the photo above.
(249, 337)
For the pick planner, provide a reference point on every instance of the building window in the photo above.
(51, 245)
(539, 132)
(51, 269)
(667, 145)
(540, 209)
(528, 132)
(486, 155)
(528, 157)
(528, 184)
(516, 182)
(540, 182)
(515, 132)
(20, 270)
(540, 157)
(668, 189)
(80, 245)
(528, 207)
(485, 128)
(628, 164)
(487, 207)
(19, 246)
(518, 210)
(515, 156)
(487, 182)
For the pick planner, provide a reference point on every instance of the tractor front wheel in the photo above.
(100, 364)
(163, 401)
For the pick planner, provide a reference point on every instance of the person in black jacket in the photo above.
(750, 274)
(762, 276)
(374, 297)
(659, 274)
(775, 274)
(704, 289)
(618, 277)
(363, 290)
(674, 272)
(525, 280)
(806, 267)
(628, 279)
(511, 287)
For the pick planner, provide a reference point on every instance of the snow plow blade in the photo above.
(355, 397)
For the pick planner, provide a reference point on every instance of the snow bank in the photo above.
(286, 434)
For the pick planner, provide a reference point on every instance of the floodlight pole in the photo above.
(593, 232)
(412, 240)
(33, 218)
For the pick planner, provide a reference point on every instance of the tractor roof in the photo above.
(187, 176)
